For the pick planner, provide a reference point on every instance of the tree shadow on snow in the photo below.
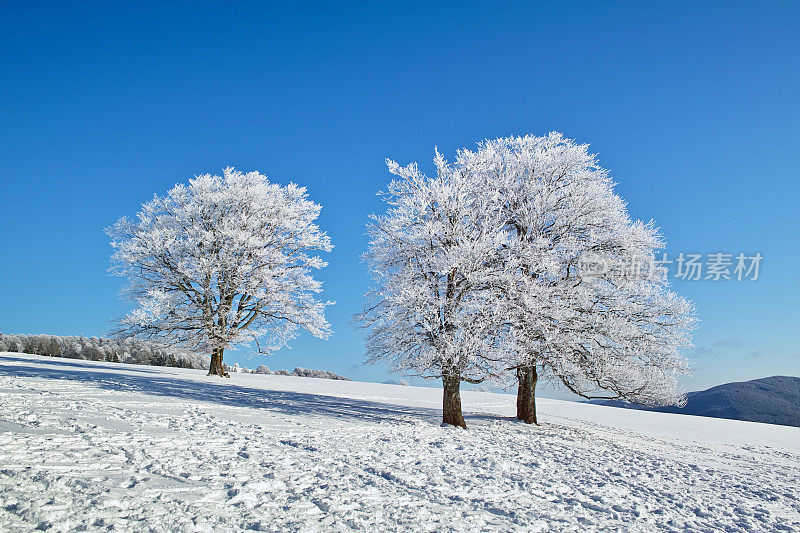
(274, 401)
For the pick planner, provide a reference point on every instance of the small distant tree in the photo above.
(430, 256)
(224, 260)
(54, 346)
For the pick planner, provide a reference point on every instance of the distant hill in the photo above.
(773, 400)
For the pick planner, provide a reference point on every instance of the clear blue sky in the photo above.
(695, 108)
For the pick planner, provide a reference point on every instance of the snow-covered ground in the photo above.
(89, 445)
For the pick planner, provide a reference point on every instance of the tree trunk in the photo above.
(526, 394)
(217, 368)
(451, 407)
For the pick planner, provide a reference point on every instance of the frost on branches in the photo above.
(613, 332)
(222, 261)
(428, 258)
(487, 269)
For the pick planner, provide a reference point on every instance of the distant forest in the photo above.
(129, 350)
(133, 351)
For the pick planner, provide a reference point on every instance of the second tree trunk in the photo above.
(526, 394)
(451, 406)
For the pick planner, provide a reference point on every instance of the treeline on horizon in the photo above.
(134, 351)
(128, 350)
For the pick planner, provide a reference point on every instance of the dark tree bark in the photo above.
(526, 394)
(451, 407)
(217, 368)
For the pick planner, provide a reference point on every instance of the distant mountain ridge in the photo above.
(772, 400)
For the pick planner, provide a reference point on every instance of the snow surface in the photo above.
(99, 445)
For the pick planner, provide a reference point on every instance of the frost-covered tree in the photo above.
(428, 259)
(519, 256)
(581, 299)
(225, 260)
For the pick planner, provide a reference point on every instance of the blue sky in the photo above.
(694, 107)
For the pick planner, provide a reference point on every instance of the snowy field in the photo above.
(88, 445)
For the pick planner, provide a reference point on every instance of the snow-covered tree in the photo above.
(225, 260)
(428, 259)
(581, 299)
(520, 257)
